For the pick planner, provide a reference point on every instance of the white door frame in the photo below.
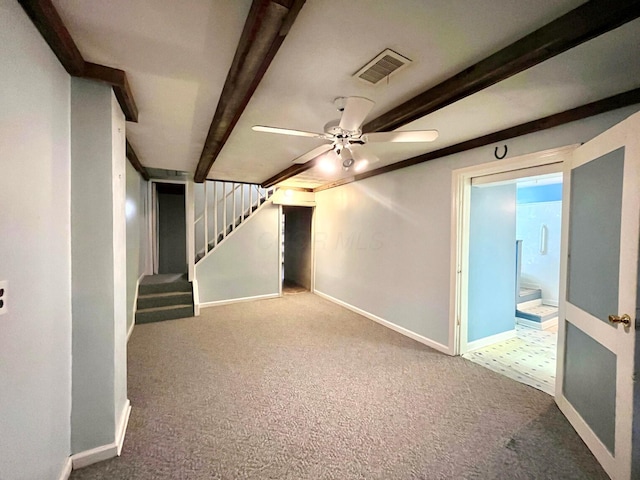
(312, 240)
(546, 161)
(189, 223)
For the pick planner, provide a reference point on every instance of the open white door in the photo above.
(599, 283)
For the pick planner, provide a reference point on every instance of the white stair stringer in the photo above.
(238, 222)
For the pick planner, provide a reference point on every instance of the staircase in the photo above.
(529, 307)
(221, 207)
(164, 297)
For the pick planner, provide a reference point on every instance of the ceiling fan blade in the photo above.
(410, 136)
(355, 111)
(287, 131)
(311, 154)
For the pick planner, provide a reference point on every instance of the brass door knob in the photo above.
(624, 319)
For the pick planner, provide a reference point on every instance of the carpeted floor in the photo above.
(299, 388)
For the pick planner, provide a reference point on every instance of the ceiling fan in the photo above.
(345, 138)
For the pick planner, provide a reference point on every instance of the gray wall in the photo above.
(492, 261)
(172, 233)
(245, 265)
(137, 235)
(98, 265)
(384, 244)
(35, 253)
(297, 245)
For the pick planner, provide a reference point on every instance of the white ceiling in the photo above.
(177, 54)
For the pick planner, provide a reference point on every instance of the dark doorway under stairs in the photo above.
(296, 249)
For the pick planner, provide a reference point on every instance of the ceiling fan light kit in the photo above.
(345, 137)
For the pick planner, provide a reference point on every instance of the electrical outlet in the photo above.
(3, 297)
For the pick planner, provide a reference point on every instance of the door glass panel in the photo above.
(590, 383)
(594, 235)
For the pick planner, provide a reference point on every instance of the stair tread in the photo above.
(529, 291)
(163, 294)
(167, 307)
(540, 310)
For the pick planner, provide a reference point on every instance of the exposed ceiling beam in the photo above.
(266, 27)
(585, 22)
(46, 19)
(625, 99)
(48, 22)
(289, 172)
(118, 80)
(133, 159)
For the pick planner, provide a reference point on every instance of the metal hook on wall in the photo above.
(495, 153)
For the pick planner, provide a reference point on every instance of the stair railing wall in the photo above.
(220, 208)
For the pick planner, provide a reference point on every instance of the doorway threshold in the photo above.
(529, 358)
(289, 287)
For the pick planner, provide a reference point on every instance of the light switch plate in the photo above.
(3, 297)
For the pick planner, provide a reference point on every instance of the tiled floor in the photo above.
(530, 358)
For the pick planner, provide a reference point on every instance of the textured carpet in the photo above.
(299, 388)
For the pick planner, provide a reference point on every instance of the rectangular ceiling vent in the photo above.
(382, 66)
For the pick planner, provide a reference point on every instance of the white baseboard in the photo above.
(196, 297)
(135, 306)
(66, 469)
(483, 342)
(133, 324)
(95, 455)
(122, 426)
(407, 333)
(104, 452)
(552, 322)
(237, 300)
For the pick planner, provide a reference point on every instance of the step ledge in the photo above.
(167, 307)
(529, 303)
(162, 295)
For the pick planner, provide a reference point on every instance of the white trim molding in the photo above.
(544, 161)
(403, 331)
(66, 469)
(490, 340)
(95, 455)
(268, 201)
(133, 324)
(122, 427)
(196, 297)
(218, 303)
(104, 452)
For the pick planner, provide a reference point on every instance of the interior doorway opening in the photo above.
(297, 252)
(506, 265)
(170, 229)
(514, 272)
